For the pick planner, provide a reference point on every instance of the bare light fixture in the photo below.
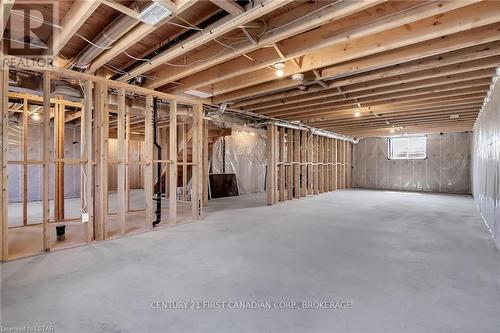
(393, 130)
(299, 77)
(454, 116)
(279, 69)
(36, 116)
(357, 113)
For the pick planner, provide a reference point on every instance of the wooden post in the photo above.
(197, 174)
(282, 164)
(303, 161)
(316, 165)
(127, 169)
(321, 166)
(289, 166)
(59, 165)
(4, 110)
(46, 160)
(335, 165)
(101, 124)
(148, 168)
(205, 162)
(184, 161)
(86, 149)
(25, 159)
(121, 159)
(296, 165)
(172, 206)
(310, 161)
(271, 165)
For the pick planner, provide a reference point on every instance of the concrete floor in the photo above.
(407, 262)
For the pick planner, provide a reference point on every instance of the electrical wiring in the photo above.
(135, 58)
(26, 43)
(302, 17)
(203, 60)
(183, 26)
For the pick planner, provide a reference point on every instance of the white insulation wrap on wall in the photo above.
(486, 163)
(446, 168)
(245, 156)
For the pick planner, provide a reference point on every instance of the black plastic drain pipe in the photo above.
(157, 196)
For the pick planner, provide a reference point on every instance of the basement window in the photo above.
(408, 148)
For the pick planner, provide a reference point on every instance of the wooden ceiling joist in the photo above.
(394, 98)
(482, 78)
(132, 37)
(229, 6)
(70, 25)
(213, 31)
(206, 71)
(451, 22)
(440, 62)
(453, 73)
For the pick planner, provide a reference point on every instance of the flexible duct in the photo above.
(108, 36)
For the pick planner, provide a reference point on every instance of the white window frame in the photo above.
(390, 152)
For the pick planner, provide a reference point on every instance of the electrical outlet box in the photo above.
(85, 217)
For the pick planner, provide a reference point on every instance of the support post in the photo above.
(86, 147)
(271, 165)
(46, 160)
(4, 110)
(148, 156)
(101, 131)
(172, 197)
(197, 180)
(120, 167)
(25, 159)
(205, 162)
(281, 164)
(296, 163)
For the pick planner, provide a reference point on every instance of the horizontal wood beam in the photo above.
(424, 99)
(446, 61)
(340, 117)
(229, 6)
(279, 28)
(428, 32)
(213, 31)
(71, 22)
(417, 88)
(132, 37)
(428, 129)
(452, 73)
(121, 8)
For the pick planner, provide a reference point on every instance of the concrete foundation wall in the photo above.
(446, 168)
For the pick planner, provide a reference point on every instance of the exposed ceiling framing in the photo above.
(412, 66)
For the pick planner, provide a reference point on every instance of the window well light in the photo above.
(36, 116)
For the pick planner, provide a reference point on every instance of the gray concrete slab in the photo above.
(406, 262)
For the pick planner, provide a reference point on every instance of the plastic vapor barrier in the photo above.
(446, 168)
(486, 162)
(244, 155)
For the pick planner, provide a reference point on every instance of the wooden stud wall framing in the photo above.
(301, 164)
(94, 158)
